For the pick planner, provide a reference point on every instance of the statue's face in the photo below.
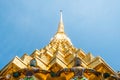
(55, 68)
(77, 62)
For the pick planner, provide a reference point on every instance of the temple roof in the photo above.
(59, 53)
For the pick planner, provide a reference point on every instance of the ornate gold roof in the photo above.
(59, 53)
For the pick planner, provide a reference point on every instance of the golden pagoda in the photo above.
(58, 54)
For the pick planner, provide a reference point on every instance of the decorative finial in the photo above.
(61, 20)
(61, 25)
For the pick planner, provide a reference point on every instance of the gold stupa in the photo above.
(58, 54)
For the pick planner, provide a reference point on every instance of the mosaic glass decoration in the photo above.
(76, 78)
(29, 78)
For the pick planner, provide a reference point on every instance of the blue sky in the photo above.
(92, 25)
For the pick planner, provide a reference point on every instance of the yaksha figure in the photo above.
(79, 71)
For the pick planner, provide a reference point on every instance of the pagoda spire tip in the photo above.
(61, 20)
(61, 25)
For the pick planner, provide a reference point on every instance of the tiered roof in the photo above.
(59, 53)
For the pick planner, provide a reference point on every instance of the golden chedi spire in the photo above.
(60, 34)
(61, 25)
